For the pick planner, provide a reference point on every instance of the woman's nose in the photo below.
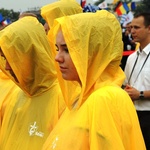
(59, 57)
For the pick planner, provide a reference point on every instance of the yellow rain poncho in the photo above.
(59, 9)
(36, 106)
(7, 87)
(103, 117)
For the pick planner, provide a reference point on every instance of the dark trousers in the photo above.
(144, 119)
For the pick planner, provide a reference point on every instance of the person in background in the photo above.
(35, 107)
(102, 116)
(137, 70)
(128, 42)
(58, 9)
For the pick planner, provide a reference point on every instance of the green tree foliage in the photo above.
(127, 1)
(98, 2)
(144, 6)
(9, 14)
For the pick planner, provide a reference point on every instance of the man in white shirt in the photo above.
(137, 70)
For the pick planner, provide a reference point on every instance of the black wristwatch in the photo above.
(141, 96)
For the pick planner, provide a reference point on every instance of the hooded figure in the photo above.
(59, 9)
(36, 106)
(51, 12)
(7, 87)
(103, 116)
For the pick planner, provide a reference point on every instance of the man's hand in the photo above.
(133, 93)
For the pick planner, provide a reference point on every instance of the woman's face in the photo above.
(7, 66)
(66, 65)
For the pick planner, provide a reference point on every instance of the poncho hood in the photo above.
(96, 51)
(26, 48)
(58, 9)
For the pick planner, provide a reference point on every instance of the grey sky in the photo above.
(24, 5)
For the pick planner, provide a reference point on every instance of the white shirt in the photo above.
(142, 81)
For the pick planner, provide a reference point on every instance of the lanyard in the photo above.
(140, 69)
(133, 67)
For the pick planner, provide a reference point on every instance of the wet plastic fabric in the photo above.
(34, 109)
(58, 9)
(104, 117)
(7, 87)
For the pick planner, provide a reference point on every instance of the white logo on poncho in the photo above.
(33, 130)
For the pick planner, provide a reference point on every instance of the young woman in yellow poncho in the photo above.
(56, 10)
(7, 87)
(103, 116)
(34, 108)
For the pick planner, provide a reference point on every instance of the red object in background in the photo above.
(127, 53)
(83, 2)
